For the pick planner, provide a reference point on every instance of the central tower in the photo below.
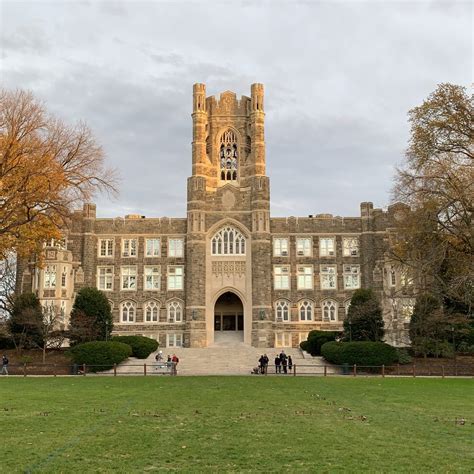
(228, 190)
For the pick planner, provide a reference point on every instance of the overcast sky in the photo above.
(339, 79)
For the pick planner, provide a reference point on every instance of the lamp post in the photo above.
(350, 330)
(106, 331)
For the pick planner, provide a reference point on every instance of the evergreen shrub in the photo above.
(141, 346)
(363, 353)
(100, 355)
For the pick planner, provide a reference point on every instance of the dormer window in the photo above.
(228, 156)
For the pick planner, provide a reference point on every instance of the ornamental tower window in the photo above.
(228, 241)
(228, 156)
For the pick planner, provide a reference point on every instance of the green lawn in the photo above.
(193, 424)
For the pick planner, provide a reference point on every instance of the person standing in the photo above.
(284, 361)
(5, 364)
(261, 364)
(174, 366)
(277, 364)
(265, 361)
(290, 363)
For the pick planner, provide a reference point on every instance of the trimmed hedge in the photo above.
(100, 355)
(141, 346)
(315, 341)
(364, 353)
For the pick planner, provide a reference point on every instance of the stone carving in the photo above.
(228, 200)
(228, 268)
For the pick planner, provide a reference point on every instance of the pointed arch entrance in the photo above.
(228, 318)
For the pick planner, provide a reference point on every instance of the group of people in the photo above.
(283, 363)
(171, 362)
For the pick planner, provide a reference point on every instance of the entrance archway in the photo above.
(228, 319)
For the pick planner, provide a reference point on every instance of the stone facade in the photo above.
(165, 276)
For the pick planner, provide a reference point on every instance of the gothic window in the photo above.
(127, 311)
(151, 312)
(282, 310)
(228, 156)
(228, 241)
(306, 310)
(175, 312)
(329, 311)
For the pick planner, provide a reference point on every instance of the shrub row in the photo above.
(141, 346)
(315, 341)
(363, 353)
(100, 355)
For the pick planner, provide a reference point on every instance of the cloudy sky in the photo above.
(340, 77)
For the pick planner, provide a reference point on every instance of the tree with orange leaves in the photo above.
(46, 168)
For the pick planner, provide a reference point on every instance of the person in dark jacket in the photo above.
(277, 364)
(290, 363)
(5, 364)
(265, 360)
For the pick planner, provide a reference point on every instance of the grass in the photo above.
(195, 424)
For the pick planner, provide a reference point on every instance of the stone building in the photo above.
(228, 268)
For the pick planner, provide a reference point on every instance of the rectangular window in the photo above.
(350, 246)
(282, 339)
(328, 277)
(282, 277)
(129, 278)
(327, 247)
(175, 340)
(406, 278)
(175, 277)
(64, 277)
(303, 247)
(392, 277)
(152, 278)
(351, 277)
(152, 247)
(106, 247)
(305, 277)
(105, 278)
(280, 247)
(175, 247)
(302, 336)
(129, 247)
(50, 276)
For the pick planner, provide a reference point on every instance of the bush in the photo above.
(404, 356)
(364, 353)
(141, 346)
(100, 355)
(315, 340)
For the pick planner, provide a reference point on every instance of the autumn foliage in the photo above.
(46, 167)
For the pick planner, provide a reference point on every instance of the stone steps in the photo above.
(237, 359)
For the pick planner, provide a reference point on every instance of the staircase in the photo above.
(225, 358)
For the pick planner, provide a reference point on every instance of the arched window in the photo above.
(329, 311)
(152, 310)
(127, 312)
(282, 311)
(306, 310)
(228, 156)
(228, 241)
(175, 312)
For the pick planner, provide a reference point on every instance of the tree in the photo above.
(364, 320)
(436, 238)
(25, 321)
(91, 317)
(46, 167)
(7, 284)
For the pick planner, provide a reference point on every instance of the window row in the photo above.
(329, 310)
(51, 273)
(305, 275)
(151, 312)
(129, 247)
(327, 246)
(151, 278)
